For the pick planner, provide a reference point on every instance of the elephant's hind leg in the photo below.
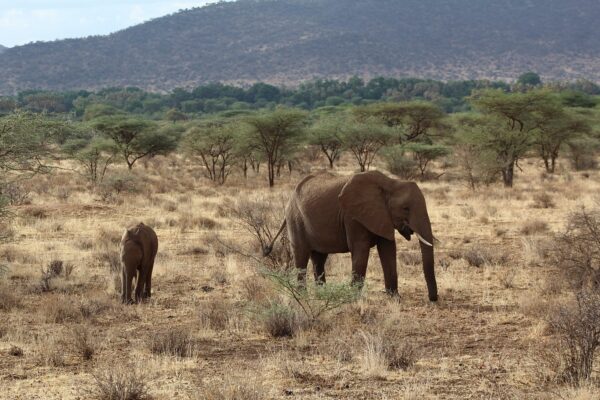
(301, 257)
(140, 285)
(318, 261)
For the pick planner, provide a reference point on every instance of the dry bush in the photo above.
(409, 258)
(59, 309)
(400, 355)
(255, 289)
(51, 352)
(175, 342)
(479, 255)
(215, 313)
(220, 277)
(543, 200)
(15, 351)
(83, 342)
(8, 298)
(111, 259)
(578, 329)
(280, 320)
(15, 193)
(262, 218)
(120, 382)
(534, 227)
(576, 252)
(373, 357)
(234, 388)
(35, 212)
(187, 222)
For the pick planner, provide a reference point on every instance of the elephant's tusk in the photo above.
(423, 240)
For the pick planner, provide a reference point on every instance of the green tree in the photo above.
(175, 115)
(94, 154)
(275, 133)
(136, 138)
(412, 120)
(26, 145)
(326, 134)
(510, 124)
(365, 139)
(475, 158)
(529, 79)
(424, 153)
(96, 110)
(214, 143)
(556, 126)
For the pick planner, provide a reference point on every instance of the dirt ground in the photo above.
(487, 337)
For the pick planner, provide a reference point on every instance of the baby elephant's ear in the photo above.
(363, 199)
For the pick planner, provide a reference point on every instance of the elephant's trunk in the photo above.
(422, 226)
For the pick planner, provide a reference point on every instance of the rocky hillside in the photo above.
(288, 41)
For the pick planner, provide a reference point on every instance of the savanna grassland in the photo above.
(64, 333)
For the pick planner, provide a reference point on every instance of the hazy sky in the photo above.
(24, 21)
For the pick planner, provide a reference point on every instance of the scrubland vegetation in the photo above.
(511, 184)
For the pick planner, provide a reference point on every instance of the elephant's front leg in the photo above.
(360, 259)
(126, 285)
(387, 256)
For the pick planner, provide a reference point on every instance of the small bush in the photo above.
(35, 212)
(576, 251)
(51, 352)
(578, 328)
(175, 342)
(534, 227)
(60, 309)
(409, 258)
(16, 194)
(15, 351)
(479, 255)
(543, 200)
(234, 388)
(83, 342)
(280, 320)
(400, 356)
(8, 298)
(55, 268)
(214, 314)
(124, 382)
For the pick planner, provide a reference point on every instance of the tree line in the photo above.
(485, 144)
(215, 98)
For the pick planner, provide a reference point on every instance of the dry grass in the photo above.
(210, 330)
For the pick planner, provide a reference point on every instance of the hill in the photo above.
(2, 48)
(287, 41)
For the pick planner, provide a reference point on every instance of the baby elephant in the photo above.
(139, 245)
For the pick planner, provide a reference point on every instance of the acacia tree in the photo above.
(556, 126)
(424, 153)
(93, 153)
(136, 138)
(510, 124)
(274, 133)
(26, 144)
(412, 120)
(365, 139)
(327, 135)
(214, 143)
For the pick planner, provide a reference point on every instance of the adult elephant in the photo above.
(328, 214)
(139, 246)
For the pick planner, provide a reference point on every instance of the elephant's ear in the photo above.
(363, 199)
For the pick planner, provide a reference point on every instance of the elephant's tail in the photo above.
(268, 249)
